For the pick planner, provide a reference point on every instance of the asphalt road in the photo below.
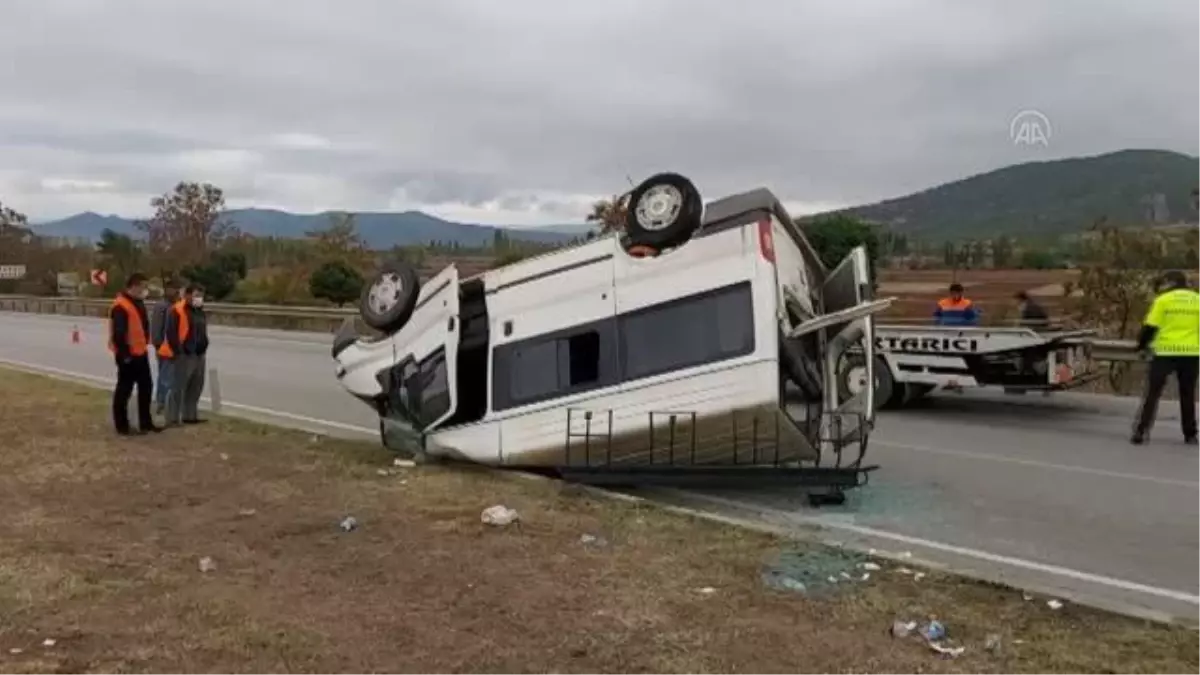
(1045, 493)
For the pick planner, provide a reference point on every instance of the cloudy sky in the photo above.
(523, 111)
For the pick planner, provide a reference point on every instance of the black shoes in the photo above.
(1191, 440)
(1138, 439)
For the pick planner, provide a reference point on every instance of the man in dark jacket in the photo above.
(128, 340)
(158, 324)
(187, 339)
(1032, 314)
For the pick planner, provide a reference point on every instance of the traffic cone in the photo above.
(75, 335)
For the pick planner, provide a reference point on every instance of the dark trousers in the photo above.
(1185, 369)
(134, 371)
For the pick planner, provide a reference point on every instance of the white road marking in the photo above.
(1032, 565)
(963, 454)
(109, 381)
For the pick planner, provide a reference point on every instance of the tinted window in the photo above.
(424, 396)
(688, 332)
(555, 365)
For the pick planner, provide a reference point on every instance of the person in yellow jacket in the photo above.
(128, 340)
(1171, 331)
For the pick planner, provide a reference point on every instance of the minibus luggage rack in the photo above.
(751, 450)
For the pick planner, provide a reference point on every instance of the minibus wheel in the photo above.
(665, 210)
(388, 301)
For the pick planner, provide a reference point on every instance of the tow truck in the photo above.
(911, 361)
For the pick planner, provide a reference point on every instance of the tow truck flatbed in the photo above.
(913, 360)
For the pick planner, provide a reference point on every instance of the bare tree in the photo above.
(188, 225)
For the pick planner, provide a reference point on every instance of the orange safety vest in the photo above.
(180, 309)
(135, 334)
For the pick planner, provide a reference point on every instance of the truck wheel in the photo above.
(664, 211)
(852, 377)
(388, 301)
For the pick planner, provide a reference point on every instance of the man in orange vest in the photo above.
(129, 342)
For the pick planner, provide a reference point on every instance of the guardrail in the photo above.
(282, 317)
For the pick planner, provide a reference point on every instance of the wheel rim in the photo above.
(658, 207)
(856, 380)
(385, 293)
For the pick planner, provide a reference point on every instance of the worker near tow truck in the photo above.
(956, 310)
(1171, 331)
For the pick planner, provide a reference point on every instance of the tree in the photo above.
(610, 214)
(1039, 259)
(119, 255)
(218, 275)
(336, 282)
(1002, 252)
(834, 236)
(340, 242)
(188, 225)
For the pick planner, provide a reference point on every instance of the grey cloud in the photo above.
(524, 104)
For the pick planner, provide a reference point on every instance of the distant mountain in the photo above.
(378, 230)
(1130, 187)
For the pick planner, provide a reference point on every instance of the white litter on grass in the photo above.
(246, 513)
(382, 472)
(349, 524)
(1026, 597)
(951, 652)
(902, 629)
(49, 642)
(903, 570)
(845, 575)
(224, 457)
(918, 576)
(403, 463)
(207, 564)
(499, 515)
(870, 567)
(865, 576)
(833, 580)
(707, 590)
(1054, 604)
(15, 650)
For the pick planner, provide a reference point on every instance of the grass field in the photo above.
(102, 538)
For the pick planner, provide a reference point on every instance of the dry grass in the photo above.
(100, 541)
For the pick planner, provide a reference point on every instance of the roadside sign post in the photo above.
(12, 272)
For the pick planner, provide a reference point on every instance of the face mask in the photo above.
(197, 301)
(141, 293)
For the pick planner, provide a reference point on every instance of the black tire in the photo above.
(388, 309)
(885, 385)
(664, 211)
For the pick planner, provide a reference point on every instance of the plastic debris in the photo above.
(992, 643)
(15, 650)
(224, 457)
(918, 576)
(903, 570)
(1054, 604)
(499, 515)
(950, 652)
(246, 513)
(902, 629)
(845, 575)
(403, 463)
(870, 567)
(207, 564)
(707, 590)
(832, 580)
(933, 631)
(49, 642)
(793, 585)
(592, 540)
(382, 472)
(1026, 597)
(865, 576)
(349, 524)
